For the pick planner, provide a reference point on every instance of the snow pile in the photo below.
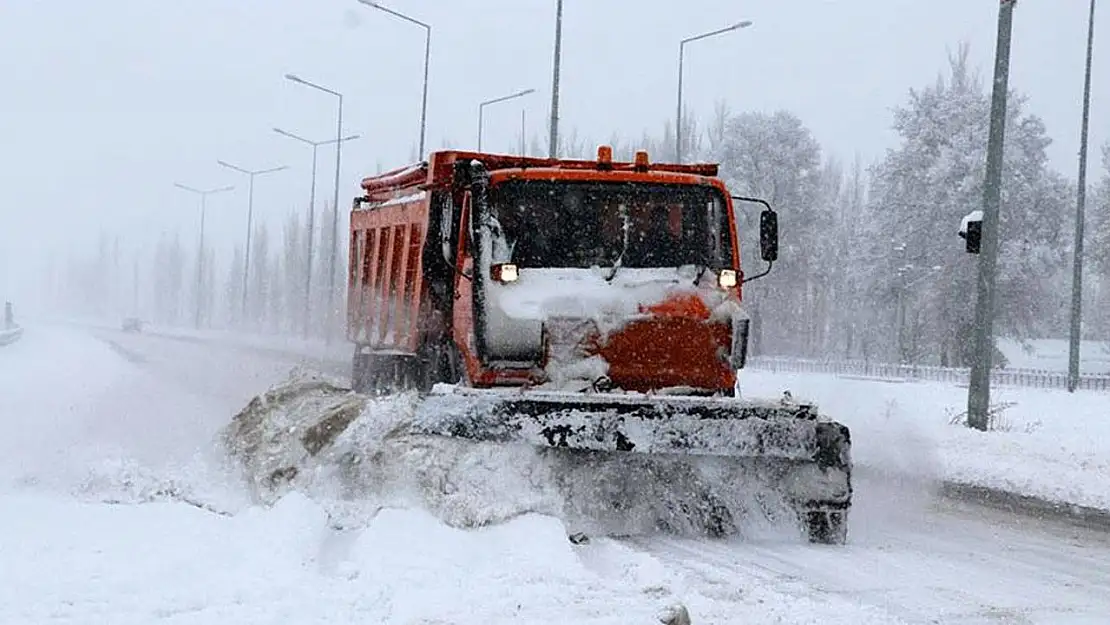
(569, 364)
(66, 561)
(1047, 443)
(358, 456)
(585, 293)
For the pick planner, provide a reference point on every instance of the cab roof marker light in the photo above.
(604, 157)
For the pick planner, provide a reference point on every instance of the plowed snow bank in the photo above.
(360, 455)
(71, 562)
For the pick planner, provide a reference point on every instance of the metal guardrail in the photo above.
(1027, 378)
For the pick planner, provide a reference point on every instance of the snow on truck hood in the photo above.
(542, 294)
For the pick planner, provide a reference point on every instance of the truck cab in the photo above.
(499, 270)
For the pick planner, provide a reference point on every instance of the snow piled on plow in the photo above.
(359, 455)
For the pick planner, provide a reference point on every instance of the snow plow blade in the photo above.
(605, 463)
(739, 454)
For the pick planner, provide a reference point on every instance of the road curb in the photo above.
(1016, 503)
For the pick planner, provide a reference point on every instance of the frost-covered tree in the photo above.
(920, 275)
(168, 280)
(294, 257)
(1098, 247)
(1096, 313)
(775, 157)
(233, 291)
(259, 284)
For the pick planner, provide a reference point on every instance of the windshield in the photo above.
(587, 224)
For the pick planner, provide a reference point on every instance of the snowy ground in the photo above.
(87, 421)
(1052, 355)
(1049, 444)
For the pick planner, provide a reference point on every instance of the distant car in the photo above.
(132, 324)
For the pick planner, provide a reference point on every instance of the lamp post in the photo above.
(203, 193)
(250, 218)
(335, 200)
(1077, 263)
(978, 389)
(427, 57)
(482, 107)
(553, 141)
(311, 219)
(681, 56)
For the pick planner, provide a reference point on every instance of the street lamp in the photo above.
(427, 57)
(681, 54)
(311, 217)
(1077, 263)
(482, 107)
(203, 193)
(250, 218)
(553, 141)
(335, 199)
(978, 389)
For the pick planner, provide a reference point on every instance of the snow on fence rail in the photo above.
(1030, 378)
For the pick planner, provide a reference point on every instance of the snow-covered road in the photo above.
(84, 413)
(915, 559)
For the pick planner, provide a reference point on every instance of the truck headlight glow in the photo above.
(727, 278)
(504, 273)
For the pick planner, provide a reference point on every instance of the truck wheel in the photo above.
(361, 366)
(827, 527)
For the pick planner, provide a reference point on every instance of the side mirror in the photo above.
(971, 230)
(769, 235)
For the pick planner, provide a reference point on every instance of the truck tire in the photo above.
(361, 366)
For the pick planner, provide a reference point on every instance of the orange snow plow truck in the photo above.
(590, 308)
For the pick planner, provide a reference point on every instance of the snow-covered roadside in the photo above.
(70, 562)
(1055, 445)
(1050, 444)
(84, 424)
(73, 562)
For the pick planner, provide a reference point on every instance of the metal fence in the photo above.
(1029, 378)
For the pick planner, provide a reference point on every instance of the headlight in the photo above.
(727, 278)
(504, 273)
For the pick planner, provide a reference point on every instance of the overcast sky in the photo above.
(106, 103)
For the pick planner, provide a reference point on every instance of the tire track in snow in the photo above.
(943, 564)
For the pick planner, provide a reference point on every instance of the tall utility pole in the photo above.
(978, 391)
(311, 222)
(482, 106)
(681, 56)
(250, 221)
(427, 58)
(203, 193)
(553, 141)
(334, 247)
(1077, 264)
